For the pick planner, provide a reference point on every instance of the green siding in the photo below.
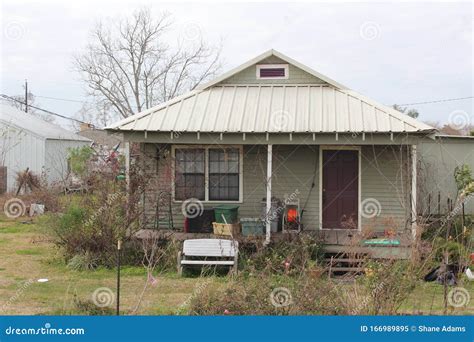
(296, 75)
(437, 160)
(384, 177)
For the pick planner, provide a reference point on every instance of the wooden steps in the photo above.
(345, 265)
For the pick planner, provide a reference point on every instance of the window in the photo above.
(223, 174)
(272, 71)
(208, 173)
(189, 174)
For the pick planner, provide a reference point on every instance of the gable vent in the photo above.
(272, 71)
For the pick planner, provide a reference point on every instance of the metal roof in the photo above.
(272, 108)
(13, 117)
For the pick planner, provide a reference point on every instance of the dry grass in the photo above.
(24, 255)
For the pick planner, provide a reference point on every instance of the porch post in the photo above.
(269, 195)
(413, 191)
(127, 163)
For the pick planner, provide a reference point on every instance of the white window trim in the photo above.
(341, 148)
(206, 170)
(271, 66)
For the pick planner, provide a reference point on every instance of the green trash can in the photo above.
(228, 212)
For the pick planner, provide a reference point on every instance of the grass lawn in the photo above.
(26, 256)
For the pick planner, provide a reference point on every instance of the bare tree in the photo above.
(98, 114)
(410, 112)
(129, 66)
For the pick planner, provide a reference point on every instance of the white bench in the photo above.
(198, 251)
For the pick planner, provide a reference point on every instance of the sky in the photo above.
(401, 53)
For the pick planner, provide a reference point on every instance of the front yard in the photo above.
(26, 256)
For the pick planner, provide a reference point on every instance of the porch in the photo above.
(382, 182)
(401, 251)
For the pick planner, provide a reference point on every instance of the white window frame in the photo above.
(206, 170)
(339, 148)
(272, 66)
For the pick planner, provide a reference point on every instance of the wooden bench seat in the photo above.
(197, 252)
(207, 262)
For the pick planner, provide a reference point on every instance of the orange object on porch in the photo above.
(292, 215)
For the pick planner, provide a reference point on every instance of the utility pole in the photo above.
(26, 95)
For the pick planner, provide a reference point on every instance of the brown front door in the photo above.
(340, 189)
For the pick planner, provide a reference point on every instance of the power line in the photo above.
(59, 99)
(403, 104)
(44, 110)
(437, 101)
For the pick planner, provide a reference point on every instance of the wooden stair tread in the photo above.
(334, 260)
(346, 269)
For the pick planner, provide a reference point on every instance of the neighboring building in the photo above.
(273, 127)
(26, 141)
(108, 148)
(102, 142)
(102, 139)
(438, 159)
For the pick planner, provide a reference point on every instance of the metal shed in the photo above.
(26, 141)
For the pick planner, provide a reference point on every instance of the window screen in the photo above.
(189, 174)
(224, 174)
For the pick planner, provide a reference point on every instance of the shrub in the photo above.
(88, 308)
(387, 284)
(457, 253)
(88, 244)
(310, 294)
(284, 257)
(79, 158)
(81, 262)
(241, 296)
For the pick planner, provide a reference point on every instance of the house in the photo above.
(27, 141)
(275, 128)
(102, 142)
(438, 158)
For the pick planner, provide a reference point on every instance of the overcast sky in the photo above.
(392, 52)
